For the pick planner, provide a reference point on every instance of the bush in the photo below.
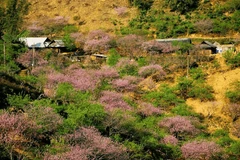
(165, 97)
(234, 93)
(18, 101)
(127, 67)
(113, 58)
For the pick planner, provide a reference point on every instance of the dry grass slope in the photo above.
(87, 15)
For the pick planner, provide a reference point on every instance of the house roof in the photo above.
(36, 42)
(207, 45)
(175, 40)
(57, 44)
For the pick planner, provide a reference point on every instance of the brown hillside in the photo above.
(87, 15)
(217, 111)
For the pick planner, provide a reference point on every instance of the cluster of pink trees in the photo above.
(88, 143)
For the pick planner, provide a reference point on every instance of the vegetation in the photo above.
(134, 105)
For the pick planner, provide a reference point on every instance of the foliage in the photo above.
(204, 26)
(183, 110)
(16, 131)
(98, 41)
(232, 59)
(47, 120)
(178, 126)
(147, 109)
(234, 93)
(113, 58)
(130, 45)
(142, 4)
(18, 101)
(182, 6)
(87, 142)
(127, 67)
(165, 97)
(150, 70)
(113, 100)
(199, 150)
(169, 139)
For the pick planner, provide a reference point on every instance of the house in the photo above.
(208, 46)
(224, 48)
(58, 45)
(36, 42)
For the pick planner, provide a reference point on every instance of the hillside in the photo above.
(86, 15)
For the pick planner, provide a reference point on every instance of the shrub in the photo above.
(204, 26)
(200, 150)
(127, 67)
(232, 59)
(183, 110)
(18, 101)
(113, 58)
(234, 109)
(234, 93)
(165, 97)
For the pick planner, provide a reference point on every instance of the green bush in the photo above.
(165, 97)
(234, 93)
(18, 101)
(232, 59)
(183, 110)
(113, 58)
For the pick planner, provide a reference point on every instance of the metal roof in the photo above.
(36, 42)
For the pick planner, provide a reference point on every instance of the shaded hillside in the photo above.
(10, 85)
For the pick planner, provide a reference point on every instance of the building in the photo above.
(208, 46)
(223, 48)
(36, 42)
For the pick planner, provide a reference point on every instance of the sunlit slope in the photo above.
(86, 14)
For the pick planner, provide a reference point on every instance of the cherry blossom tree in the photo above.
(200, 150)
(127, 83)
(29, 58)
(113, 100)
(16, 132)
(147, 109)
(149, 70)
(97, 41)
(178, 125)
(130, 45)
(169, 139)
